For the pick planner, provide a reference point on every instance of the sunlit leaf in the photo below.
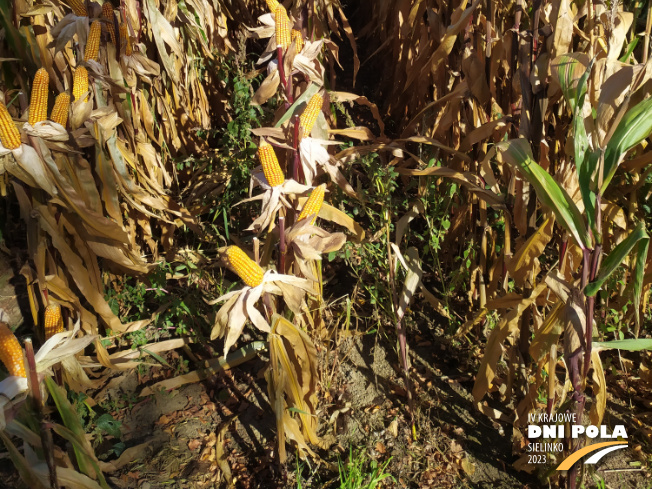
(616, 257)
(517, 152)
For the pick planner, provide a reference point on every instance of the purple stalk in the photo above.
(37, 404)
(295, 146)
(281, 245)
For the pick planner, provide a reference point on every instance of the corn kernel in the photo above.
(248, 270)
(38, 107)
(271, 168)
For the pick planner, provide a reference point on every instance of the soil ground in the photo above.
(174, 439)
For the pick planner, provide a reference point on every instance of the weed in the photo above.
(361, 473)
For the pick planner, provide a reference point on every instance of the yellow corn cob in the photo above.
(298, 39)
(11, 353)
(125, 40)
(283, 38)
(247, 269)
(107, 13)
(93, 41)
(60, 110)
(9, 135)
(310, 113)
(271, 168)
(38, 107)
(80, 83)
(313, 204)
(78, 7)
(52, 320)
(272, 5)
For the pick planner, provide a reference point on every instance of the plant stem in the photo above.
(295, 145)
(37, 405)
(281, 245)
(281, 70)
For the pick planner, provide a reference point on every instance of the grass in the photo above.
(357, 472)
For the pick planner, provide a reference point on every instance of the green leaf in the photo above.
(107, 423)
(639, 272)
(629, 345)
(569, 69)
(517, 152)
(584, 163)
(158, 358)
(616, 257)
(630, 49)
(76, 433)
(634, 127)
(305, 96)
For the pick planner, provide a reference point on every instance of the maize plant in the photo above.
(283, 35)
(269, 161)
(93, 44)
(310, 113)
(297, 39)
(11, 353)
(80, 83)
(9, 134)
(78, 7)
(60, 110)
(38, 107)
(107, 13)
(247, 269)
(313, 204)
(596, 159)
(52, 320)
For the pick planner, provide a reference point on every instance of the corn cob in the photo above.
(125, 40)
(11, 353)
(310, 113)
(80, 83)
(272, 5)
(9, 135)
(107, 13)
(247, 269)
(60, 110)
(38, 107)
(283, 38)
(52, 320)
(298, 39)
(313, 204)
(271, 168)
(93, 41)
(79, 7)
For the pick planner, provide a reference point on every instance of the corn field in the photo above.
(325, 243)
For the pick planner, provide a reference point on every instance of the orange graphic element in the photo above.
(571, 459)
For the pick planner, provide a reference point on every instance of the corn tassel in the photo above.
(283, 38)
(271, 168)
(107, 13)
(247, 269)
(125, 40)
(298, 39)
(11, 353)
(60, 109)
(78, 7)
(310, 113)
(313, 204)
(93, 42)
(80, 83)
(272, 5)
(9, 135)
(52, 321)
(38, 107)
